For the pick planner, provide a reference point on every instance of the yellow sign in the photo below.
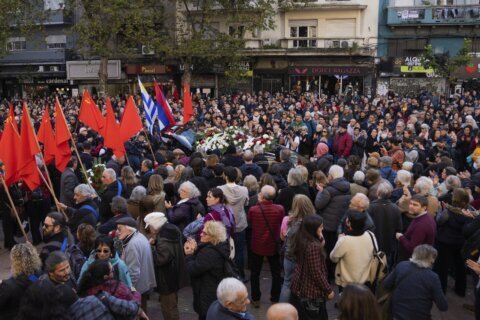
(415, 69)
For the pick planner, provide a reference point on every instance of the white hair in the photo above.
(191, 190)
(130, 229)
(384, 190)
(423, 186)
(424, 256)
(111, 173)
(407, 165)
(85, 190)
(403, 177)
(335, 171)
(258, 149)
(138, 193)
(295, 177)
(359, 177)
(228, 289)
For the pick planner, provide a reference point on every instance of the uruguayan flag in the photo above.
(151, 111)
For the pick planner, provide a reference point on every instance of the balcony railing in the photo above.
(334, 45)
(431, 3)
(446, 15)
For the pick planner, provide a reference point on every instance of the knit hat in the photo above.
(322, 149)
(156, 220)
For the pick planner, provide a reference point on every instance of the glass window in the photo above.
(16, 44)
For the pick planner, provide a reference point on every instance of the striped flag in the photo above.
(151, 111)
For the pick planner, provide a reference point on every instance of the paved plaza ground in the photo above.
(455, 311)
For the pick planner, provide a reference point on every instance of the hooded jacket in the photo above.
(237, 197)
(120, 269)
(332, 202)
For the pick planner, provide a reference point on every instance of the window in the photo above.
(303, 29)
(16, 44)
(54, 4)
(56, 41)
(236, 31)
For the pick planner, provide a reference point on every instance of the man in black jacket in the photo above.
(114, 188)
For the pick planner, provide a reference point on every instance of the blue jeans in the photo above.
(240, 238)
(288, 268)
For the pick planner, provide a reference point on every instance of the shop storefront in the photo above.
(163, 74)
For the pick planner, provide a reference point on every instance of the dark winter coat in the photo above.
(332, 202)
(205, 268)
(184, 213)
(11, 293)
(262, 161)
(325, 162)
(388, 220)
(107, 196)
(251, 168)
(79, 215)
(285, 196)
(450, 232)
(169, 261)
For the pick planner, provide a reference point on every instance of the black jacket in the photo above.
(107, 196)
(251, 168)
(388, 220)
(324, 163)
(79, 215)
(262, 161)
(11, 293)
(285, 196)
(205, 268)
(168, 257)
(332, 202)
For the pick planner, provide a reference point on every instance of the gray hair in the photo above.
(362, 199)
(191, 190)
(452, 182)
(423, 186)
(359, 177)
(111, 173)
(403, 177)
(258, 149)
(268, 192)
(85, 190)
(54, 259)
(251, 183)
(138, 193)
(248, 155)
(227, 290)
(118, 204)
(335, 171)
(295, 177)
(384, 190)
(424, 256)
(407, 165)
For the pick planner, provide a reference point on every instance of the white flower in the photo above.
(258, 142)
(265, 136)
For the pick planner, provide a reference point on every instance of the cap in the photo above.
(127, 221)
(156, 220)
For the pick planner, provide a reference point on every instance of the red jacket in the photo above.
(263, 243)
(342, 144)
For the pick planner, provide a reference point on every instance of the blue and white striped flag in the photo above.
(151, 111)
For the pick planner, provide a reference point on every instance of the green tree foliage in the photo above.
(20, 18)
(442, 64)
(108, 29)
(207, 32)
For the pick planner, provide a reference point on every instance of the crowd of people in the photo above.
(347, 178)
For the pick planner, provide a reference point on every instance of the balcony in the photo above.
(33, 57)
(59, 17)
(311, 46)
(324, 4)
(433, 12)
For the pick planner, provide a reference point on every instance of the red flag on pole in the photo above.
(11, 117)
(113, 138)
(28, 148)
(9, 149)
(46, 136)
(187, 103)
(63, 153)
(175, 94)
(90, 114)
(131, 122)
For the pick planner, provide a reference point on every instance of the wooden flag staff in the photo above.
(12, 204)
(150, 145)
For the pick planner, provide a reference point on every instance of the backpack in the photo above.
(192, 229)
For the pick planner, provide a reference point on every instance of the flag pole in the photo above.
(75, 147)
(7, 191)
(150, 145)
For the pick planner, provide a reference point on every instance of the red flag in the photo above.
(175, 94)
(11, 117)
(131, 122)
(90, 114)
(28, 148)
(163, 103)
(63, 153)
(9, 149)
(187, 103)
(113, 138)
(46, 136)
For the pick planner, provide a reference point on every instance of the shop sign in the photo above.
(415, 69)
(472, 70)
(88, 70)
(53, 81)
(147, 69)
(317, 71)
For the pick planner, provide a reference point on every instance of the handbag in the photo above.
(279, 244)
(378, 265)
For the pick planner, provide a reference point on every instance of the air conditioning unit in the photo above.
(54, 68)
(41, 69)
(335, 44)
(346, 44)
(266, 42)
(146, 51)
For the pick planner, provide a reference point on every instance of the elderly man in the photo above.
(85, 211)
(331, 203)
(137, 256)
(116, 164)
(68, 182)
(231, 303)
(282, 311)
(119, 209)
(115, 187)
(249, 167)
(146, 169)
(360, 203)
(265, 219)
(260, 158)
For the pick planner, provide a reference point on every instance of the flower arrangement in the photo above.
(95, 177)
(208, 133)
(236, 136)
